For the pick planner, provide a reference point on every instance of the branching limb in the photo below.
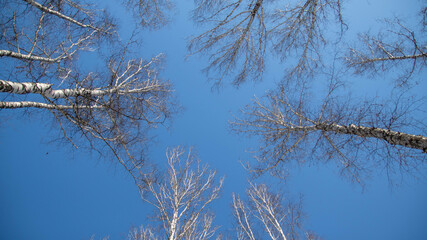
(399, 48)
(150, 13)
(62, 16)
(299, 29)
(238, 37)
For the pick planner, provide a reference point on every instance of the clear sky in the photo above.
(49, 191)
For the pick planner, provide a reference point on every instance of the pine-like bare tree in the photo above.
(181, 198)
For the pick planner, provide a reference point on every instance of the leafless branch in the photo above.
(239, 33)
(300, 29)
(237, 38)
(80, 23)
(50, 37)
(150, 13)
(142, 233)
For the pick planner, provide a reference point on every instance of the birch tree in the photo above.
(240, 32)
(181, 198)
(111, 108)
(266, 215)
(358, 136)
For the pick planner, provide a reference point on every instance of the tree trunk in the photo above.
(392, 137)
(173, 226)
(27, 104)
(46, 90)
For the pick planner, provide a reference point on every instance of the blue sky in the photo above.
(49, 191)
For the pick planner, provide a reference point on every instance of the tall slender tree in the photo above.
(181, 198)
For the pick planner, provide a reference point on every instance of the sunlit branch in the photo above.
(60, 15)
(267, 210)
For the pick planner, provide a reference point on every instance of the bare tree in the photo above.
(112, 108)
(268, 211)
(360, 136)
(240, 32)
(181, 198)
(397, 48)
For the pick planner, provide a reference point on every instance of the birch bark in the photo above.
(392, 137)
(7, 53)
(27, 104)
(46, 90)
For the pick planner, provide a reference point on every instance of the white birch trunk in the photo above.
(173, 226)
(392, 137)
(46, 90)
(27, 104)
(8, 53)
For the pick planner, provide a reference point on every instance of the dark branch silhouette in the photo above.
(236, 40)
(152, 14)
(240, 33)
